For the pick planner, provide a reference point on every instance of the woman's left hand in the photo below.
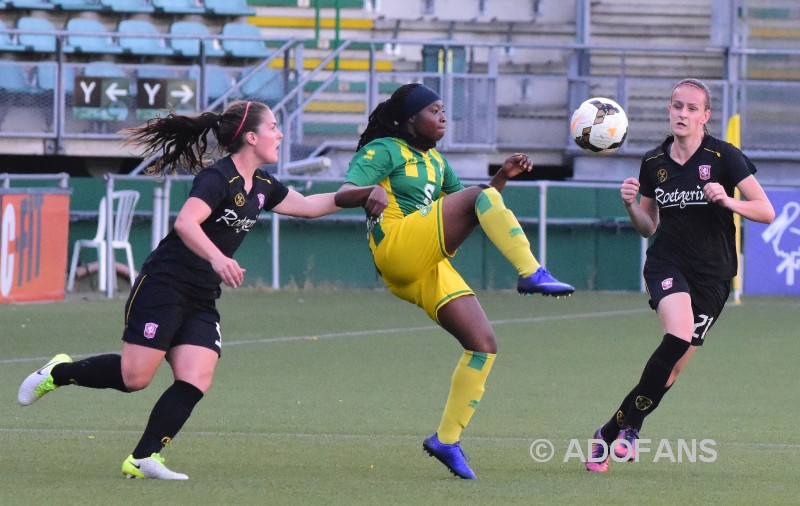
(516, 164)
(715, 193)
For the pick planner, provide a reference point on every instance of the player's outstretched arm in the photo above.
(372, 198)
(307, 206)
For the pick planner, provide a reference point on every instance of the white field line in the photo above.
(356, 333)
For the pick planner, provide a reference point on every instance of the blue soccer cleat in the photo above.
(451, 455)
(543, 282)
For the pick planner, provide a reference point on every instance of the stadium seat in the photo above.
(13, 78)
(78, 5)
(243, 48)
(191, 47)
(6, 41)
(153, 46)
(38, 43)
(101, 44)
(179, 6)
(265, 86)
(218, 81)
(127, 6)
(229, 8)
(44, 76)
(103, 69)
(31, 4)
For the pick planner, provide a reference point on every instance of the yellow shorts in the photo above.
(411, 257)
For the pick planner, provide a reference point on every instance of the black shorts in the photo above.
(158, 315)
(707, 300)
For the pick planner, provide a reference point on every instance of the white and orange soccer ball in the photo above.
(599, 125)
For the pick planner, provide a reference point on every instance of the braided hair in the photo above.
(182, 141)
(387, 120)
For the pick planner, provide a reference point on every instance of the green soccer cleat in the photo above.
(151, 467)
(40, 382)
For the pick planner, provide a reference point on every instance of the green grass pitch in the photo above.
(325, 396)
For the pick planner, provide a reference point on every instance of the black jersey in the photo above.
(233, 214)
(694, 235)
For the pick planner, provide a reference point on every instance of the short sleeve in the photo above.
(209, 187)
(371, 165)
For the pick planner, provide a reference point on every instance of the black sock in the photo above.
(168, 416)
(652, 385)
(611, 429)
(101, 371)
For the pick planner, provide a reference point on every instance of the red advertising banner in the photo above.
(34, 228)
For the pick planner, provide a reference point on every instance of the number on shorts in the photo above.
(701, 326)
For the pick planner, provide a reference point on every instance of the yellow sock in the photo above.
(466, 390)
(505, 232)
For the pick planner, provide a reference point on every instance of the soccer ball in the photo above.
(599, 126)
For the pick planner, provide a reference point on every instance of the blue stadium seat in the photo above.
(13, 78)
(6, 41)
(153, 46)
(179, 6)
(44, 76)
(191, 47)
(38, 43)
(243, 48)
(218, 80)
(78, 5)
(101, 44)
(127, 6)
(265, 86)
(31, 4)
(229, 8)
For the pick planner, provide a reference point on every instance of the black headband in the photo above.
(419, 98)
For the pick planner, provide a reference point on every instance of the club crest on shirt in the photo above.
(666, 284)
(261, 200)
(705, 172)
(239, 199)
(150, 330)
(662, 175)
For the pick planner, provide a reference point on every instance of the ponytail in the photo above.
(182, 141)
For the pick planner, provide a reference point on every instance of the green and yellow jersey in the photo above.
(412, 178)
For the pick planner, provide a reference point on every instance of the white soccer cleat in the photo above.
(151, 467)
(40, 382)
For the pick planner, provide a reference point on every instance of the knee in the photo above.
(201, 382)
(135, 380)
(485, 344)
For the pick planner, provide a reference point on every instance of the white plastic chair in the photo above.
(124, 203)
